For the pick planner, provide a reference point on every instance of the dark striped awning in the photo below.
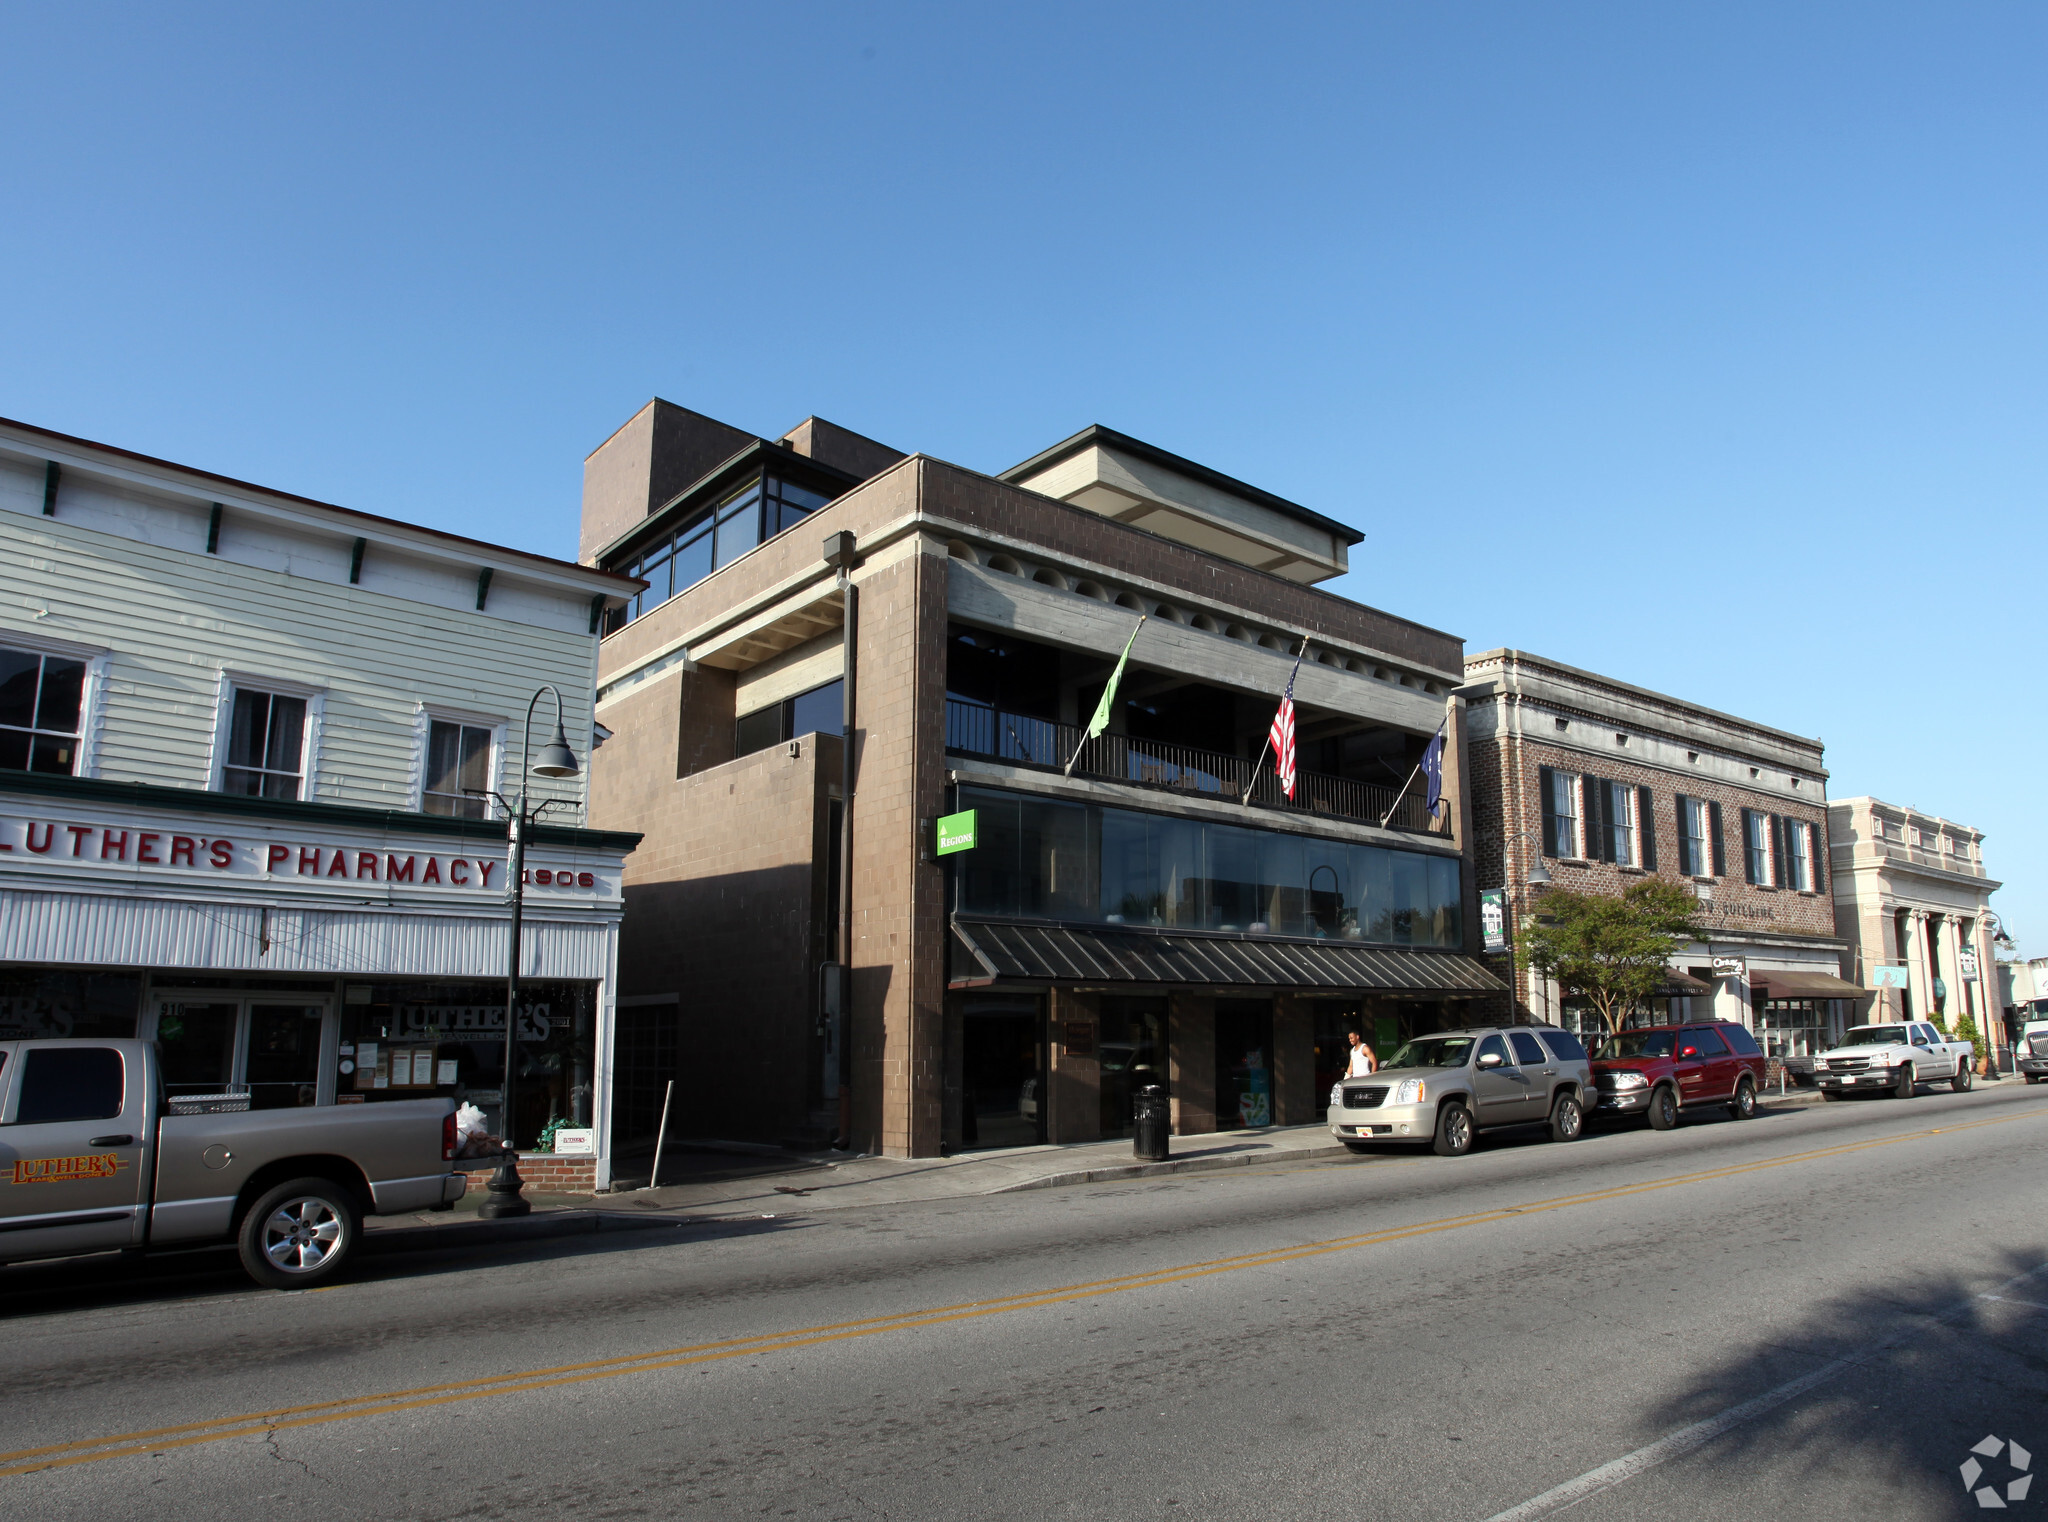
(990, 951)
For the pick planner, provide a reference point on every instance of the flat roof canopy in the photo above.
(1005, 951)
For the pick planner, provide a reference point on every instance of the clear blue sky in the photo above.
(1700, 346)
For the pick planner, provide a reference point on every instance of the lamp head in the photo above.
(1538, 878)
(555, 758)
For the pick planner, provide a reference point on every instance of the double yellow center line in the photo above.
(286, 1418)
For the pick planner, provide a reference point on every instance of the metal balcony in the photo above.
(975, 730)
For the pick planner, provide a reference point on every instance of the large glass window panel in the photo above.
(656, 568)
(1059, 875)
(1283, 885)
(1372, 884)
(1134, 883)
(758, 730)
(988, 873)
(1045, 858)
(739, 526)
(1411, 896)
(820, 711)
(693, 556)
(1446, 913)
(1183, 871)
(1233, 874)
(40, 699)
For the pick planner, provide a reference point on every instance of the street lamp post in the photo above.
(554, 760)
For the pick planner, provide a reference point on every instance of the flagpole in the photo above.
(1100, 722)
(1245, 801)
(1410, 779)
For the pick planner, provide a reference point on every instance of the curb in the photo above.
(1156, 1170)
(562, 1223)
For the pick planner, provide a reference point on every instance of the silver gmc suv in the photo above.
(1446, 1088)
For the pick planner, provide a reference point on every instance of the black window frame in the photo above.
(752, 729)
(299, 774)
(459, 804)
(779, 504)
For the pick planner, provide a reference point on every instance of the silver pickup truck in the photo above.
(93, 1158)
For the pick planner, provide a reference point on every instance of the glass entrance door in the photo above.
(269, 1051)
(1003, 1047)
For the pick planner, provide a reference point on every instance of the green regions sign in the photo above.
(956, 833)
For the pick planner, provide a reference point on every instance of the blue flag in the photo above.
(1433, 769)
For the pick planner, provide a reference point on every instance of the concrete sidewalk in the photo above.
(749, 1181)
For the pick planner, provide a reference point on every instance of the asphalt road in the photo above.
(1811, 1314)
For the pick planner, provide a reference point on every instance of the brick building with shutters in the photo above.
(1603, 784)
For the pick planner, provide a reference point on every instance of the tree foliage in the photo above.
(1613, 952)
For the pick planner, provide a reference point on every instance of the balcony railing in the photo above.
(975, 730)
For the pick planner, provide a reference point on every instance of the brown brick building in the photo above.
(1601, 784)
(1124, 914)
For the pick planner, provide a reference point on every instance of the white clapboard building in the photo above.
(242, 738)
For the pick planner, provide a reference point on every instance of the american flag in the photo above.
(1282, 735)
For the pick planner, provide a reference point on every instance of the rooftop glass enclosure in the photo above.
(758, 508)
(1045, 858)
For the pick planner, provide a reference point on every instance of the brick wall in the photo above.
(723, 909)
(1191, 1059)
(1502, 811)
(543, 1173)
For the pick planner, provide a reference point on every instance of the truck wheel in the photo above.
(1961, 1082)
(1454, 1133)
(1567, 1119)
(1905, 1084)
(299, 1234)
(1743, 1106)
(1663, 1108)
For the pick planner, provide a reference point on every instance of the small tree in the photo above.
(1966, 1030)
(1612, 952)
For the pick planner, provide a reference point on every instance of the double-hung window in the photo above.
(1621, 823)
(266, 749)
(1798, 856)
(1695, 837)
(1756, 848)
(1560, 813)
(458, 769)
(42, 703)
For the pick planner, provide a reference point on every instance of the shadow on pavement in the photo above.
(1933, 1368)
(386, 1256)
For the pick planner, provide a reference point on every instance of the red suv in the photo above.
(1664, 1070)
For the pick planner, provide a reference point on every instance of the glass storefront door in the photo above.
(1132, 1054)
(268, 1050)
(1244, 1063)
(1003, 1056)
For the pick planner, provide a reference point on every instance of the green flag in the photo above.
(1100, 722)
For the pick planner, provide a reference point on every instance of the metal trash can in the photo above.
(1151, 1114)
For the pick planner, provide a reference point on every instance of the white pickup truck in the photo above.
(1892, 1059)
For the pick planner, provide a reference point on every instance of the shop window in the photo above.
(418, 1040)
(458, 769)
(42, 700)
(819, 711)
(41, 1004)
(266, 749)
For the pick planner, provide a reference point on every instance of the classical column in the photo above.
(1918, 977)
